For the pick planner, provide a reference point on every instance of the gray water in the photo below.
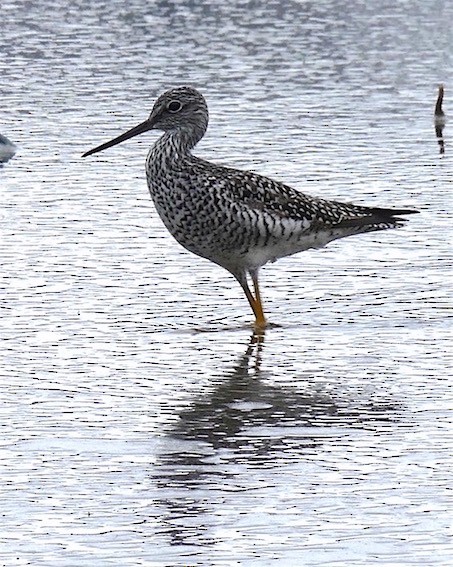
(142, 422)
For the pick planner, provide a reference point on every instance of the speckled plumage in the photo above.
(237, 219)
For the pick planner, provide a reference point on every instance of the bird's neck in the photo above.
(174, 146)
(438, 111)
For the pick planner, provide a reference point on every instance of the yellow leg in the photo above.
(255, 302)
(260, 321)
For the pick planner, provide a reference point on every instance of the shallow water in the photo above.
(142, 422)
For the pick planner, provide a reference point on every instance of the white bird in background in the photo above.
(7, 149)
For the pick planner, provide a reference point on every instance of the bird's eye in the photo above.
(174, 106)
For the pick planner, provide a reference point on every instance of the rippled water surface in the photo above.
(142, 422)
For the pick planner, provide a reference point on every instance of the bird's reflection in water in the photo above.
(440, 137)
(440, 120)
(229, 417)
(246, 400)
(247, 422)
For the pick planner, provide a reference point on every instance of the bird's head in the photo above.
(182, 109)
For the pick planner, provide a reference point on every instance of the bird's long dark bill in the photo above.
(143, 127)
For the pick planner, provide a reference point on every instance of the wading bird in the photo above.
(237, 219)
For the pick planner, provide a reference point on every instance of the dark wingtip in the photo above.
(395, 212)
(391, 218)
(396, 215)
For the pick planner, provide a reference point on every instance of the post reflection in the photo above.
(440, 120)
(440, 137)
